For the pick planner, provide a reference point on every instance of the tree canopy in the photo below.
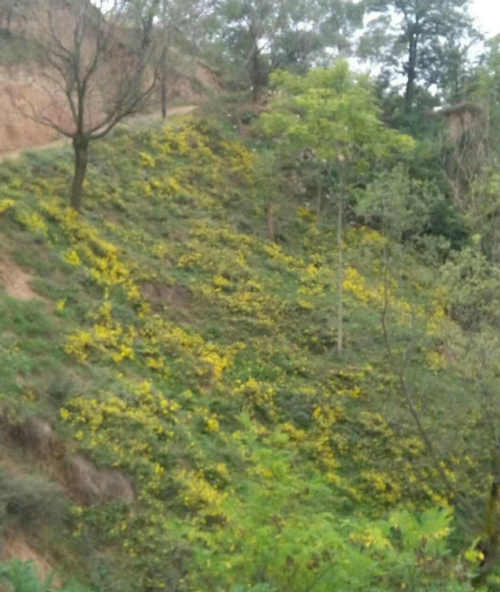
(421, 44)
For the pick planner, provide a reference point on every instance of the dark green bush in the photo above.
(31, 500)
(21, 576)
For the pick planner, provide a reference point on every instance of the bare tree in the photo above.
(181, 22)
(98, 67)
(179, 27)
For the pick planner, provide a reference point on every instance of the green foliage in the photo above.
(22, 576)
(429, 41)
(334, 113)
(332, 116)
(30, 501)
(195, 356)
(473, 284)
(445, 221)
(256, 38)
(488, 86)
(278, 551)
(400, 204)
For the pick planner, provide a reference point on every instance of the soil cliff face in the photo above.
(21, 88)
(17, 131)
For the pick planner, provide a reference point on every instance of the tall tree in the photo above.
(182, 25)
(333, 113)
(97, 67)
(423, 43)
(179, 24)
(259, 36)
(487, 89)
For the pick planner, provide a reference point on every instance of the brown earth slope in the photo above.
(18, 132)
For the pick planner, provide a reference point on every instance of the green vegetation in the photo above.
(261, 354)
(198, 357)
(21, 576)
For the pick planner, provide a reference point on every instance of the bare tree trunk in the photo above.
(411, 73)
(256, 76)
(163, 82)
(340, 272)
(81, 149)
(163, 61)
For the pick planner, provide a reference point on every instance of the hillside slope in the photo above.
(173, 413)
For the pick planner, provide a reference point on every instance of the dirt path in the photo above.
(133, 122)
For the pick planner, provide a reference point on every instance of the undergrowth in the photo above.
(175, 342)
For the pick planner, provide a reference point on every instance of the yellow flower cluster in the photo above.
(287, 262)
(34, 222)
(257, 394)
(384, 484)
(356, 284)
(72, 257)
(161, 338)
(363, 236)
(102, 257)
(325, 420)
(107, 336)
(5, 204)
(145, 415)
(199, 493)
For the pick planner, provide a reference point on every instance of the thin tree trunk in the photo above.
(340, 272)
(163, 82)
(163, 61)
(81, 149)
(398, 366)
(411, 73)
(256, 76)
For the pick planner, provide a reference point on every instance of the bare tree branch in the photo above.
(99, 66)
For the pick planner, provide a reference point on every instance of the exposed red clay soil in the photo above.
(15, 130)
(24, 91)
(15, 546)
(90, 485)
